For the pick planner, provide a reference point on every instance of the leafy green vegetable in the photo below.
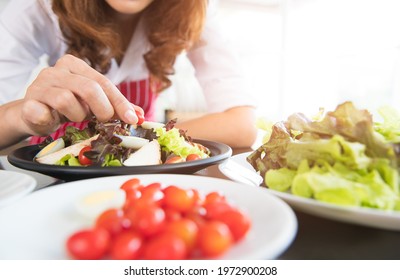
(280, 179)
(111, 161)
(73, 135)
(390, 127)
(341, 157)
(172, 141)
(68, 159)
(266, 126)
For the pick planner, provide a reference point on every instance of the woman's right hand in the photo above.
(73, 91)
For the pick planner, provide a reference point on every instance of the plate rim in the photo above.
(346, 213)
(282, 241)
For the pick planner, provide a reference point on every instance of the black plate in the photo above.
(23, 158)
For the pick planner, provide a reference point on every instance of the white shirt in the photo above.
(29, 29)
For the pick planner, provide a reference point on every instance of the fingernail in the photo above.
(131, 117)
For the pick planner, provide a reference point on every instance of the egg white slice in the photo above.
(132, 142)
(54, 146)
(151, 125)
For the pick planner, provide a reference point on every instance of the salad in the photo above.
(116, 143)
(342, 157)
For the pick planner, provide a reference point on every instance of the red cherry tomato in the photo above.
(192, 157)
(214, 197)
(82, 158)
(133, 183)
(197, 215)
(174, 159)
(112, 220)
(179, 199)
(185, 229)
(172, 214)
(214, 239)
(147, 219)
(90, 244)
(197, 197)
(165, 246)
(131, 196)
(140, 116)
(238, 223)
(213, 209)
(127, 246)
(153, 193)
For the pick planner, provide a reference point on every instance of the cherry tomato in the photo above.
(197, 214)
(197, 197)
(130, 184)
(213, 197)
(185, 229)
(112, 220)
(238, 223)
(165, 246)
(179, 199)
(88, 244)
(131, 198)
(133, 194)
(127, 246)
(213, 209)
(172, 214)
(214, 239)
(153, 193)
(174, 159)
(82, 158)
(192, 157)
(146, 219)
(140, 116)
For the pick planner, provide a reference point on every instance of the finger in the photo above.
(39, 117)
(65, 103)
(66, 92)
(120, 104)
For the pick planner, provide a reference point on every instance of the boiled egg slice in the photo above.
(54, 146)
(151, 125)
(93, 204)
(132, 142)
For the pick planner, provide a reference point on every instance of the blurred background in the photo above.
(300, 55)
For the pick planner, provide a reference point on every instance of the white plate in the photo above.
(41, 180)
(37, 226)
(14, 185)
(362, 216)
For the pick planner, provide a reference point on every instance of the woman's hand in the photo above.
(72, 91)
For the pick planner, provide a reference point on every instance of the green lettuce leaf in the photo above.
(171, 141)
(69, 160)
(389, 128)
(73, 135)
(341, 157)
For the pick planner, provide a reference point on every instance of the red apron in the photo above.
(137, 92)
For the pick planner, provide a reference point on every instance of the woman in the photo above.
(94, 45)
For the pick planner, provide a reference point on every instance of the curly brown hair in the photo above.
(172, 26)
